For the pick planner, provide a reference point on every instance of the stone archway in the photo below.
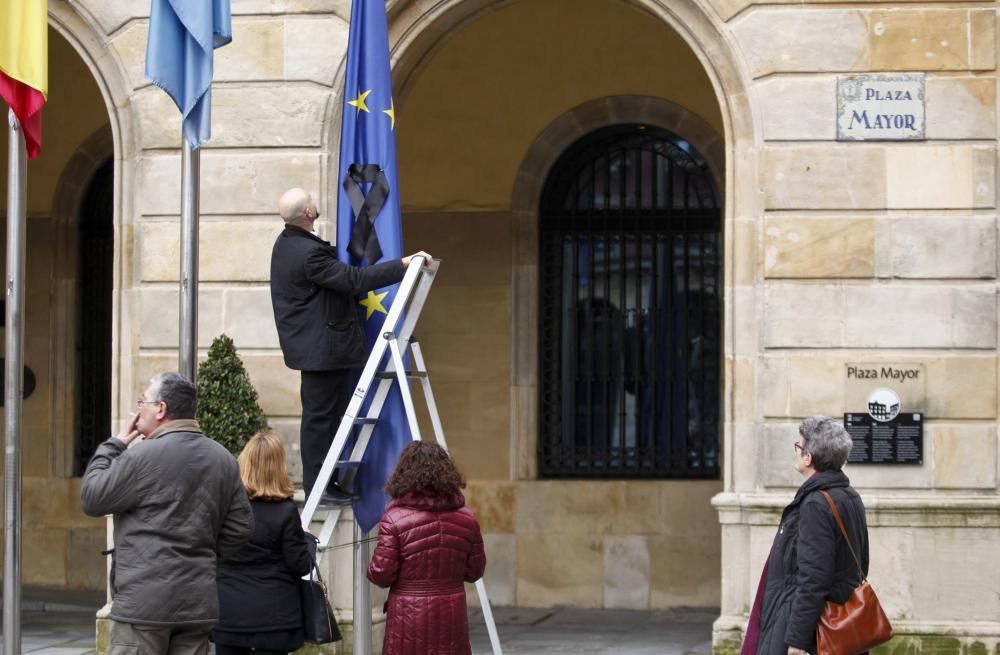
(544, 152)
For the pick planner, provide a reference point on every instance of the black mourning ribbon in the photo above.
(364, 240)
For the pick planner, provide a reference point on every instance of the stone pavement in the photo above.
(67, 630)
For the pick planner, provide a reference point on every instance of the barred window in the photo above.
(630, 309)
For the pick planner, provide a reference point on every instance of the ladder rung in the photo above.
(389, 375)
(345, 464)
(365, 420)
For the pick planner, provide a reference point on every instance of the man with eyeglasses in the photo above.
(178, 503)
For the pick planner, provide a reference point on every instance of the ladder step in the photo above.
(365, 420)
(345, 464)
(389, 375)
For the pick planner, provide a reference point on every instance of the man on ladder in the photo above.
(313, 298)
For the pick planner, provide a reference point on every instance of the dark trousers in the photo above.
(324, 395)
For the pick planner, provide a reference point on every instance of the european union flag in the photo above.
(369, 225)
(182, 36)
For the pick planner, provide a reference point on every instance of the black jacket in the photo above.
(313, 298)
(259, 585)
(810, 563)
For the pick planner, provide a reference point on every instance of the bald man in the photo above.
(320, 328)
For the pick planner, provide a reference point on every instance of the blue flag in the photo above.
(371, 192)
(182, 36)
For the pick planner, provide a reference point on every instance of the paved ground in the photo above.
(586, 632)
(52, 629)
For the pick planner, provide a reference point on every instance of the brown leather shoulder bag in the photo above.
(859, 624)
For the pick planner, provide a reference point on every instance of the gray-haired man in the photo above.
(178, 503)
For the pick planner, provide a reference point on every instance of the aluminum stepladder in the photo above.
(386, 370)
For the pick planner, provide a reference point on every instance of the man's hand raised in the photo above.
(129, 431)
(427, 258)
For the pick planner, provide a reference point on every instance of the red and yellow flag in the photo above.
(24, 64)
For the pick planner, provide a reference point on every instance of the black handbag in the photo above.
(318, 620)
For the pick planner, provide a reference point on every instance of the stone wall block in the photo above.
(111, 16)
(939, 177)
(269, 116)
(501, 570)
(560, 567)
(824, 178)
(675, 578)
(230, 183)
(248, 317)
(955, 578)
(495, 504)
(254, 54)
(314, 48)
(219, 260)
(813, 248)
(43, 564)
(891, 562)
(626, 572)
(85, 566)
(897, 317)
(159, 316)
(905, 40)
(340, 8)
(787, 40)
(572, 507)
(288, 430)
(130, 48)
(802, 386)
(776, 454)
(803, 316)
(962, 387)
(944, 248)
(798, 108)
(974, 317)
(961, 108)
(965, 456)
(983, 29)
(277, 386)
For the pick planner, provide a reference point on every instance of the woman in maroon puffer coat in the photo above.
(429, 546)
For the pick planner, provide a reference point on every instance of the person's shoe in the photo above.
(335, 496)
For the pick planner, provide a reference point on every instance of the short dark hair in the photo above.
(178, 393)
(426, 468)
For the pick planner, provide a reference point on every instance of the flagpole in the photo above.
(17, 177)
(190, 192)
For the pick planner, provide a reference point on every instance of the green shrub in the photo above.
(227, 402)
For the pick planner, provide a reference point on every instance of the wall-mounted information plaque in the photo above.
(898, 441)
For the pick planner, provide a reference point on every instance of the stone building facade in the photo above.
(834, 254)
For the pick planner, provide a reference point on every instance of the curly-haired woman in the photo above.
(429, 545)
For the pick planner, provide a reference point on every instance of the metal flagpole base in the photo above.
(362, 595)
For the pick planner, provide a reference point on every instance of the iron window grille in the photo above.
(630, 309)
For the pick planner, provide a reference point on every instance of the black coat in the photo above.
(313, 298)
(810, 563)
(259, 585)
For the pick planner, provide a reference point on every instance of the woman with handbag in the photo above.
(429, 546)
(811, 565)
(260, 609)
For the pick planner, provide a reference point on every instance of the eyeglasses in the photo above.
(799, 447)
(139, 403)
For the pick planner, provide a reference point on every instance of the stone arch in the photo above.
(528, 187)
(119, 142)
(71, 190)
(418, 29)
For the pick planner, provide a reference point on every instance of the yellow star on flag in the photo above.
(391, 112)
(359, 102)
(373, 303)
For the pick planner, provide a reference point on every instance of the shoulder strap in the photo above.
(843, 530)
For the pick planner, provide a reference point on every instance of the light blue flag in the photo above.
(373, 232)
(182, 36)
